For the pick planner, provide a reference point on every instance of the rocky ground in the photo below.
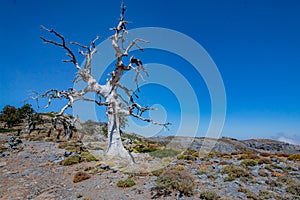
(40, 167)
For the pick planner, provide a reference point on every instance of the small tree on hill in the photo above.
(26, 111)
(10, 116)
(108, 93)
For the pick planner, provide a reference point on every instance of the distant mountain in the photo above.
(228, 145)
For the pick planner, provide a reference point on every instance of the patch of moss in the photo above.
(73, 159)
(126, 183)
(164, 153)
(144, 149)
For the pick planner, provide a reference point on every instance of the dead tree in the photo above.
(108, 95)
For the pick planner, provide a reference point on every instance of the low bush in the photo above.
(177, 180)
(264, 161)
(294, 157)
(249, 162)
(285, 155)
(248, 193)
(294, 189)
(235, 172)
(235, 153)
(264, 194)
(209, 195)
(263, 173)
(125, 183)
(248, 156)
(73, 159)
(88, 156)
(4, 130)
(80, 176)
(265, 154)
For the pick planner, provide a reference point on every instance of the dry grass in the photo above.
(80, 176)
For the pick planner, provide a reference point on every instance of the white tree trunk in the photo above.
(115, 146)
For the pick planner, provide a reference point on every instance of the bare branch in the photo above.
(62, 44)
(151, 121)
(134, 43)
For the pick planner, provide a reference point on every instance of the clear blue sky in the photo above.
(255, 45)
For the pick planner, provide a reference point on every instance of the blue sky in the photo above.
(255, 45)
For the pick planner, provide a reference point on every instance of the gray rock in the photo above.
(42, 165)
(203, 176)
(255, 173)
(103, 166)
(149, 186)
(2, 164)
(58, 160)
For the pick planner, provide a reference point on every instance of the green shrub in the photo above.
(180, 157)
(88, 156)
(294, 157)
(164, 153)
(4, 130)
(235, 172)
(294, 189)
(249, 162)
(285, 179)
(264, 194)
(209, 195)
(73, 159)
(144, 150)
(248, 193)
(177, 180)
(126, 183)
